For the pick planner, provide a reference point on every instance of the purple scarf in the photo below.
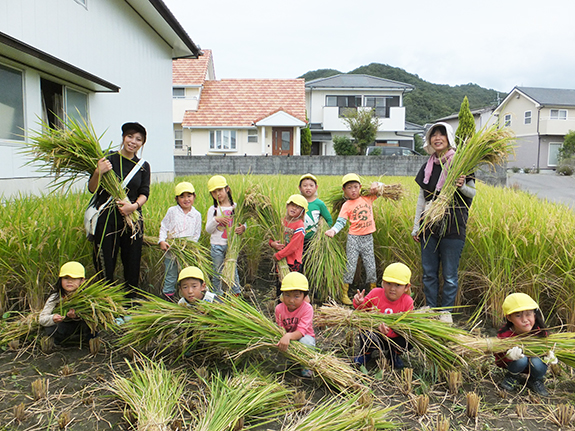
(445, 161)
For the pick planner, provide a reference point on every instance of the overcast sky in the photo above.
(495, 44)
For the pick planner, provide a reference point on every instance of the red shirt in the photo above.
(377, 299)
(293, 236)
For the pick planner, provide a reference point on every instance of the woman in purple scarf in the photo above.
(442, 243)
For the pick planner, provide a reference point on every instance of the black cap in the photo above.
(134, 127)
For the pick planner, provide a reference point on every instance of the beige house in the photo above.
(540, 117)
(234, 116)
(482, 117)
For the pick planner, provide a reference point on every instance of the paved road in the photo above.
(550, 186)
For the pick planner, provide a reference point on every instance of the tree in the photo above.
(363, 125)
(305, 141)
(418, 144)
(466, 127)
(343, 146)
(567, 150)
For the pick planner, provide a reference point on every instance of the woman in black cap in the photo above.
(112, 232)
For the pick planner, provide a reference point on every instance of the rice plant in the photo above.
(151, 391)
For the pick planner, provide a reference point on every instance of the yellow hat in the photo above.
(191, 272)
(73, 269)
(295, 281)
(298, 200)
(216, 182)
(184, 187)
(517, 302)
(308, 177)
(397, 273)
(350, 177)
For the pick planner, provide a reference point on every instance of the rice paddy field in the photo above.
(515, 242)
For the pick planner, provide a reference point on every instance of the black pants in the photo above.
(69, 330)
(112, 237)
(370, 341)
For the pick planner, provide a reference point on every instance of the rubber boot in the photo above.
(344, 298)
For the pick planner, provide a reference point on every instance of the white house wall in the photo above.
(111, 41)
(189, 103)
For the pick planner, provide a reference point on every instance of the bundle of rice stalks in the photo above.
(430, 336)
(336, 199)
(188, 253)
(235, 326)
(19, 328)
(72, 152)
(152, 393)
(247, 396)
(325, 265)
(96, 302)
(342, 414)
(160, 323)
(268, 218)
(490, 146)
(562, 343)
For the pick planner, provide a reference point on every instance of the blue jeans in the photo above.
(531, 365)
(218, 253)
(170, 274)
(307, 340)
(446, 252)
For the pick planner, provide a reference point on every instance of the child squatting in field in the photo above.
(295, 314)
(523, 317)
(68, 326)
(181, 221)
(358, 210)
(193, 287)
(392, 297)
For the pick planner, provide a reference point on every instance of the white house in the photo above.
(540, 118)
(328, 99)
(107, 60)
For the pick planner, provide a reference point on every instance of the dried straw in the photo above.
(336, 199)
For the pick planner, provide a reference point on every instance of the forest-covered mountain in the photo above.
(428, 101)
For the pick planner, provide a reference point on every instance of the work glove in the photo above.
(515, 353)
(550, 359)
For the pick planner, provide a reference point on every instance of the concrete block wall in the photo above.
(318, 165)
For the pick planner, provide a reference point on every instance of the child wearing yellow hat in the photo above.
(392, 297)
(316, 207)
(295, 314)
(523, 317)
(68, 326)
(193, 287)
(181, 221)
(358, 210)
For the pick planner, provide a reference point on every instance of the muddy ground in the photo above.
(76, 387)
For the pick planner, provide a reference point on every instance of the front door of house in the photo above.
(282, 141)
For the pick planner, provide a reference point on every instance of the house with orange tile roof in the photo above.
(235, 116)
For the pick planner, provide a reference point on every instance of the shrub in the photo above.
(515, 169)
(527, 170)
(343, 146)
(566, 166)
(305, 141)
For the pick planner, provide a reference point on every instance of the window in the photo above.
(11, 104)
(527, 119)
(179, 93)
(253, 135)
(60, 102)
(344, 103)
(76, 105)
(558, 114)
(223, 140)
(553, 153)
(507, 120)
(178, 139)
(381, 104)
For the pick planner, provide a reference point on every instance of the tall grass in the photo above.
(515, 242)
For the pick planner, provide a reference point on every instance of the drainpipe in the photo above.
(538, 137)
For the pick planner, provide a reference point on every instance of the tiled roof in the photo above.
(550, 96)
(191, 71)
(351, 80)
(241, 102)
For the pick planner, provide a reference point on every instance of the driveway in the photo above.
(547, 185)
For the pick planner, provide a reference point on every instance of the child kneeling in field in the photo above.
(193, 287)
(294, 314)
(523, 317)
(392, 297)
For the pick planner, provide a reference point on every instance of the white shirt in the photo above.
(177, 224)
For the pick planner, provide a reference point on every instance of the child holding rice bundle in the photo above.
(523, 318)
(292, 248)
(392, 297)
(193, 287)
(220, 218)
(181, 221)
(358, 210)
(316, 207)
(295, 314)
(65, 327)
